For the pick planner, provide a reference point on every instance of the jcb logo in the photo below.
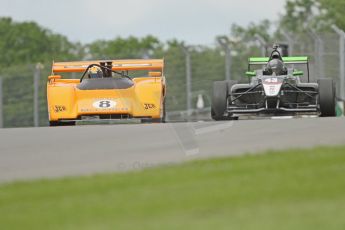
(149, 106)
(59, 108)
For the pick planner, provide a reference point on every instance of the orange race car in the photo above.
(107, 90)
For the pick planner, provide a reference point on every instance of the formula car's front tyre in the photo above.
(220, 94)
(327, 97)
(60, 123)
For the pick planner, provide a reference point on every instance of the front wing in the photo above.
(290, 100)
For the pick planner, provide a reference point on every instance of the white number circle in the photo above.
(104, 104)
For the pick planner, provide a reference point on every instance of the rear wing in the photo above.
(117, 65)
(286, 60)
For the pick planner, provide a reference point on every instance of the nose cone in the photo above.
(272, 86)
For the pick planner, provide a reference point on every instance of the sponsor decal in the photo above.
(131, 65)
(272, 90)
(272, 86)
(149, 106)
(108, 110)
(75, 66)
(59, 108)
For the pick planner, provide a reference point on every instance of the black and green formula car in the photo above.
(275, 88)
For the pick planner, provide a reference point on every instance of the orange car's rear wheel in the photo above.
(61, 123)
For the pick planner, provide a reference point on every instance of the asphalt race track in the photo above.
(28, 153)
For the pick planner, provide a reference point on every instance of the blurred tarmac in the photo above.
(49, 152)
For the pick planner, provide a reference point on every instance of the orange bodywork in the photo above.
(142, 98)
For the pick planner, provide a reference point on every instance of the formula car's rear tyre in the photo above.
(327, 98)
(60, 123)
(220, 94)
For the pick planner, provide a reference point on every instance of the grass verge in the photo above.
(297, 189)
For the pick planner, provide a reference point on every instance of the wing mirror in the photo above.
(250, 73)
(155, 74)
(298, 73)
(54, 77)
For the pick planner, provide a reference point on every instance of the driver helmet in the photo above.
(95, 72)
(276, 66)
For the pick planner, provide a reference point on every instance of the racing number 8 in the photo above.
(104, 104)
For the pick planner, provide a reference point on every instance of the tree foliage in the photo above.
(27, 42)
(334, 11)
(316, 14)
(121, 48)
(300, 15)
